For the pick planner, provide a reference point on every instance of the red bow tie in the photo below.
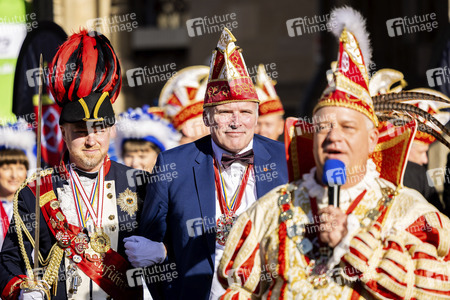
(246, 158)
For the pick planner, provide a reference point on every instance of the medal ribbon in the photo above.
(235, 202)
(79, 192)
(4, 219)
(77, 196)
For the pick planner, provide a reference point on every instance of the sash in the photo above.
(4, 220)
(107, 270)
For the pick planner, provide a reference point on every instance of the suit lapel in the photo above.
(205, 187)
(262, 164)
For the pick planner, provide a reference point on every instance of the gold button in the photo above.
(108, 185)
(111, 217)
(110, 196)
(113, 228)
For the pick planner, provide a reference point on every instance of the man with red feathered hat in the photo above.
(88, 204)
(218, 177)
(378, 240)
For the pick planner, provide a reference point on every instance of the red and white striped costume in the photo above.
(403, 254)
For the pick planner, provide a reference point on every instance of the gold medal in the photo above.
(100, 241)
(223, 228)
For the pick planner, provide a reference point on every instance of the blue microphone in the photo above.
(334, 175)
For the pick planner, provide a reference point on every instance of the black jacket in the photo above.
(11, 261)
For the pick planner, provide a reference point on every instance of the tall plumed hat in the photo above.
(182, 95)
(139, 124)
(381, 99)
(20, 136)
(349, 83)
(228, 79)
(85, 78)
(270, 103)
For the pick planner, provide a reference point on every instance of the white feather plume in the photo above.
(355, 23)
(20, 136)
(146, 125)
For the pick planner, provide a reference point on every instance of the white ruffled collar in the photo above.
(315, 190)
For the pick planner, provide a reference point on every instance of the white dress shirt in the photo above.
(232, 178)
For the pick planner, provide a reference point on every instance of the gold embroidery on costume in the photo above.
(46, 198)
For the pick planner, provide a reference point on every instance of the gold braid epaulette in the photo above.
(56, 253)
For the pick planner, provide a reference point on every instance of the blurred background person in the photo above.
(416, 169)
(15, 153)
(446, 195)
(182, 101)
(141, 136)
(392, 81)
(271, 112)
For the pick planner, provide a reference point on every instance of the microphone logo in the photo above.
(334, 172)
(336, 176)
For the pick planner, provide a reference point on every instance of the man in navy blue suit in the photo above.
(218, 177)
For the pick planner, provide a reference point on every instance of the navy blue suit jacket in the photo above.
(174, 208)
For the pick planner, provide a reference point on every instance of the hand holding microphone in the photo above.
(333, 221)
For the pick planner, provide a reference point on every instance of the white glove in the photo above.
(32, 295)
(143, 252)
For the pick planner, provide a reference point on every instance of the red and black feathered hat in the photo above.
(85, 78)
